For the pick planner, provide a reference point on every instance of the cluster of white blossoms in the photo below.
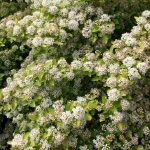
(70, 95)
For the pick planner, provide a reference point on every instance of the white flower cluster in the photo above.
(67, 94)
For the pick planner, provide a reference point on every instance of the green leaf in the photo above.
(105, 39)
(7, 106)
(104, 99)
(101, 118)
(26, 136)
(95, 28)
(120, 126)
(88, 116)
(14, 104)
(93, 104)
(140, 147)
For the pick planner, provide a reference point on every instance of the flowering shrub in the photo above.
(10, 7)
(76, 89)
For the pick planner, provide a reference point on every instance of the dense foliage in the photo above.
(75, 74)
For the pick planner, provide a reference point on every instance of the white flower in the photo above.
(117, 117)
(46, 3)
(125, 104)
(123, 82)
(99, 11)
(89, 66)
(70, 75)
(146, 13)
(71, 14)
(114, 68)
(81, 99)
(76, 64)
(18, 141)
(62, 22)
(146, 130)
(129, 62)
(48, 41)
(53, 9)
(105, 18)
(10, 24)
(101, 70)
(78, 113)
(131, 41)
(147, 27)
(66, 117)
(37, 41)
(111, 82)
(17, 30)
(34, 133)
(99, 141)
(143, 67)
(113, 94)
(136, 31)
(84, 147)
(31, 30)
(44, 145)
(63, 34)
(141, 20)
(73, 25)
(86, 32)
(133, 73)
(59, 137)
(64, 12)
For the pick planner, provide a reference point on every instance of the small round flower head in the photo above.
(133, 73)
(10, 24)
(81, 99)
(142, 67)
(146, 130)
(70, 75)
(73, 25)
(59, 137)
(99, 11)
(71, 14)
(31, 30)
(129, 62)
(86, 32)
(123, 82)
(76, 64)
(113, 94)
(105, 18)
(37, 41)
(114, 68)
(128, 39)
(34, 133)
(88, 66)
(125, 105)
(107, 56)
(48, 41)
(78, 113)
(117, 117)
(111, 82)
(53, 10)
(66, 117)
(146, 13)
(147, 27)
(18, 141)
(17, 30)
(101, 70)
(141, 20)
(84, 147)
(64, 12)
(46, 3)
(99, 141)
(136, 31)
